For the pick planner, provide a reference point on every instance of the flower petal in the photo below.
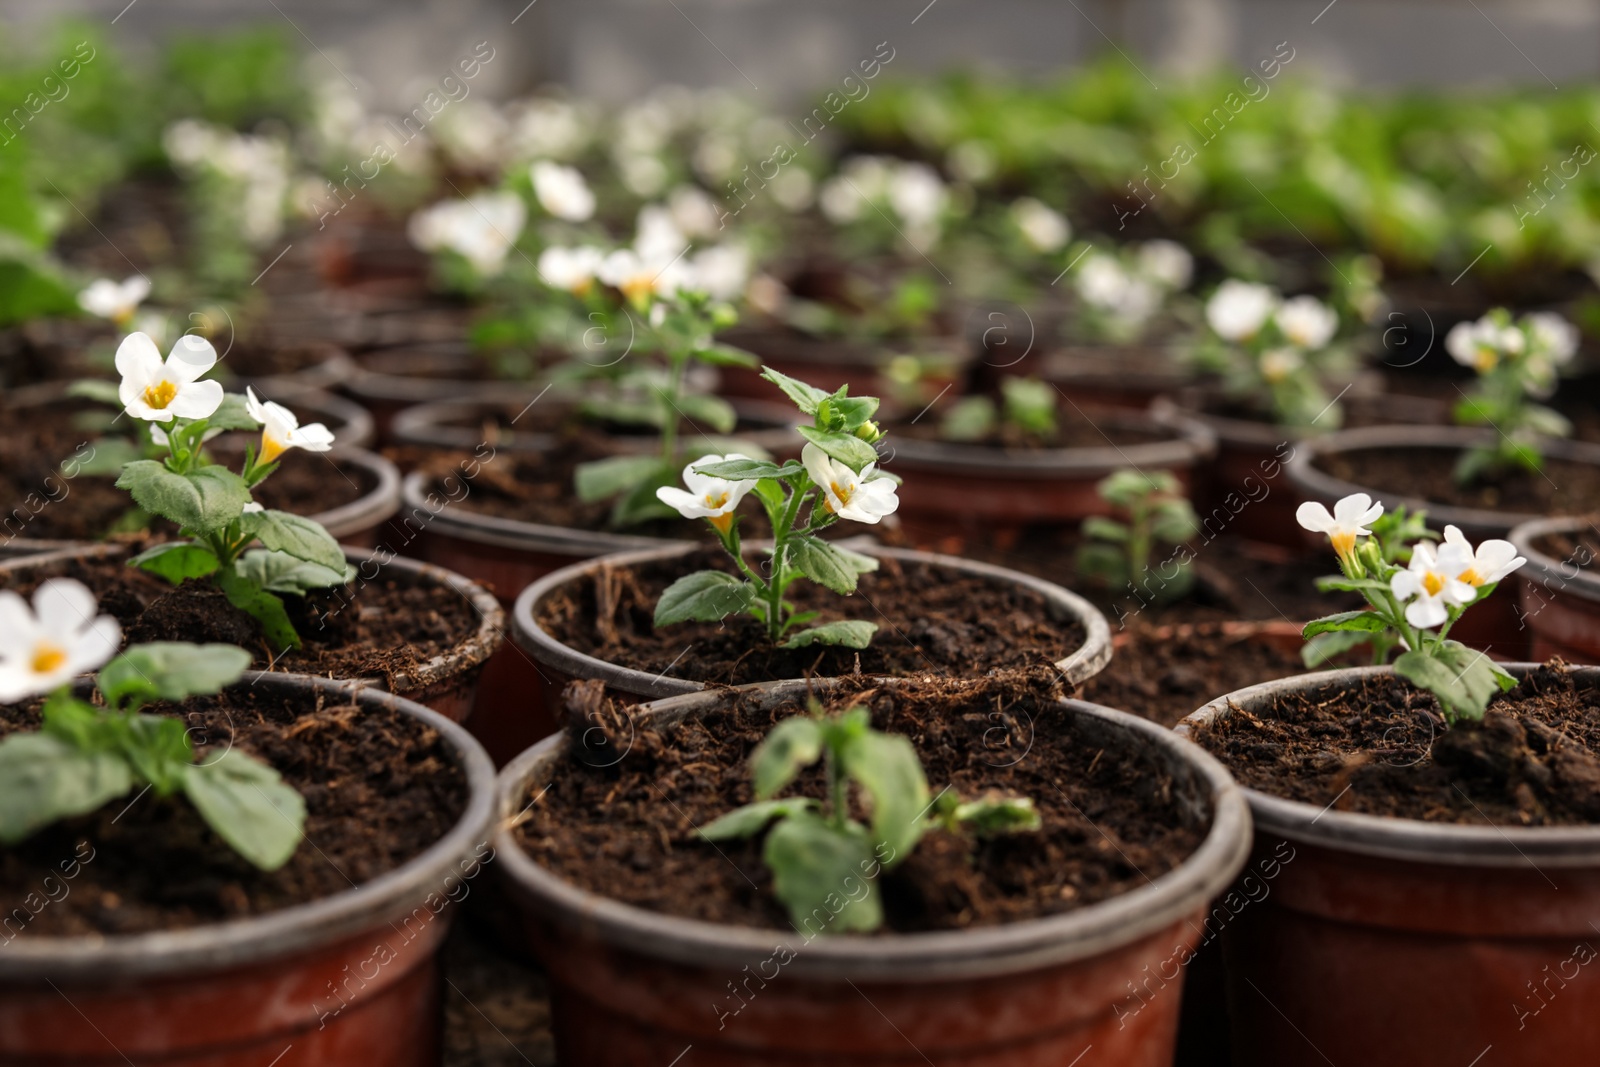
(95, 645)
(138, 361)
(686, 504)
(1405, 584)
(197, 400)
(191, 357)
(1350, 510)
(1426, 612)
(699, 483)
(1314, 517)
(64, 606)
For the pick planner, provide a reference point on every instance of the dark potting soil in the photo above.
(1580, 549)
(628, 830)
(1565, 488)
(247, 359)
(388, 625)
(1383, 749)
(1166, 673)
(931, 620)
(379, 789)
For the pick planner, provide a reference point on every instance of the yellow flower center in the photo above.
(1432, 582)
(715, 499)
(1344, 541)
(638, 288)
(47, 658)
(1486, 359)
(1471, 577)
(843, 492)
(271, 447)
(161, 394)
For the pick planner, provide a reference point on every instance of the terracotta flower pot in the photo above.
(561, 663)
(632, 986)
(1496, 626)
(1389, 941)
(1559, 598)
(984, 492)
(446, 682)
(254, 991)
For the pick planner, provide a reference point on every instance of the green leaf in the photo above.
(992, 816)
(770, 492)
(1463, 679)
(705, 596)
(806, 397)
(605, 478)
(43, 779)
(1104, 529)
(1339, 584)
(972, 418)
(300, 537)
(233, 414)
(1323, 649)
(172, 670)
(887, 767)
(177, 562)
(109, 456)
(278, 572)
(743, 470)
(158, 748)
(713, 411)
(203, 501)
(828, 564)
(260, 605)
(819, 872)
(249, 805)
(791, 745)
(753, 818)
(849, 634)
(1363, 621)
(96, 389)
(851, 451)
(720, 355)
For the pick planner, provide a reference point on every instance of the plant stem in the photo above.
(836, 790)
(669, 425)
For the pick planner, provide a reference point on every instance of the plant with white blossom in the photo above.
(219, 522)
(1413, 604)
(1516, 361)
(836, 478)
(1272, 353)
(83, 757)
(1121, 292)
(473, 236)
(115, 301)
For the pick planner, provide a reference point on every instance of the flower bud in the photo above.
(870, 432)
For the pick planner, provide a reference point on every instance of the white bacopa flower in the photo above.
(1101, 280)
(857, 497)
(1279, 364)
(160, 391)
(840, 201)
(1238, 310)
(721, 271)
(793, 189)
(1553, 336)
(1307, 322)
(1350, 519)
(707, 497)
(1432, 585)
(562, 191)
(693, 211)
(638, 278)
(482, 228)
(1045, 229)
(917, 194)
(281, 431)
(572, 269)
(1491, 561)
(116, 301)
(1482, 344)
(1167, 263)
(656, 235)
(59, 638)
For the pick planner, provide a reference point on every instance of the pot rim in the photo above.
(1545, 568)
(1411, 840)
(515, 533)
(1083, 662)
(382, 386)
(369, 509)
(470, 651)
(1319, 485)
(1193, 442)
(242, 942)
(920, 957)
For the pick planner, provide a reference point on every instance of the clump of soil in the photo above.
(1382, 748)
(1166, 673)
(379, 787)
(628, 829)
(931, 620)
(1565, 488)
(383, 626)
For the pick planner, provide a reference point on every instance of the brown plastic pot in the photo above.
(258, 991)
(1559, 598)
(561, 663)
(446, 683)
(630, 986)
(828, 363)
(386, 381)
(1495, 626)
(1117, 376)
(982, 493)
(1394, 942)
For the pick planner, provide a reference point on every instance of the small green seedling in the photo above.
(1027, 408)
(1157, 513)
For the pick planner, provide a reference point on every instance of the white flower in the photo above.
(693, 211)
(1481, 345)
(1350, 519)
(639, 278)
(857, 497)
(1491, 561)
(281, 431)
(721, 271)
(1105, 283)
(1045, 229)
(572, 269)
(160, 391)
(61, 637)
(1553, 336)
(656, 235)
(1431, 584)
(1280, 363)
(474, 135)
(917, 194)
(840, 201)
(793, 189)
(1307, 322)
(107, 299)
(482, 228)
(1237, 310)
(707, 497)
(1167, 263)
(562, 191)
